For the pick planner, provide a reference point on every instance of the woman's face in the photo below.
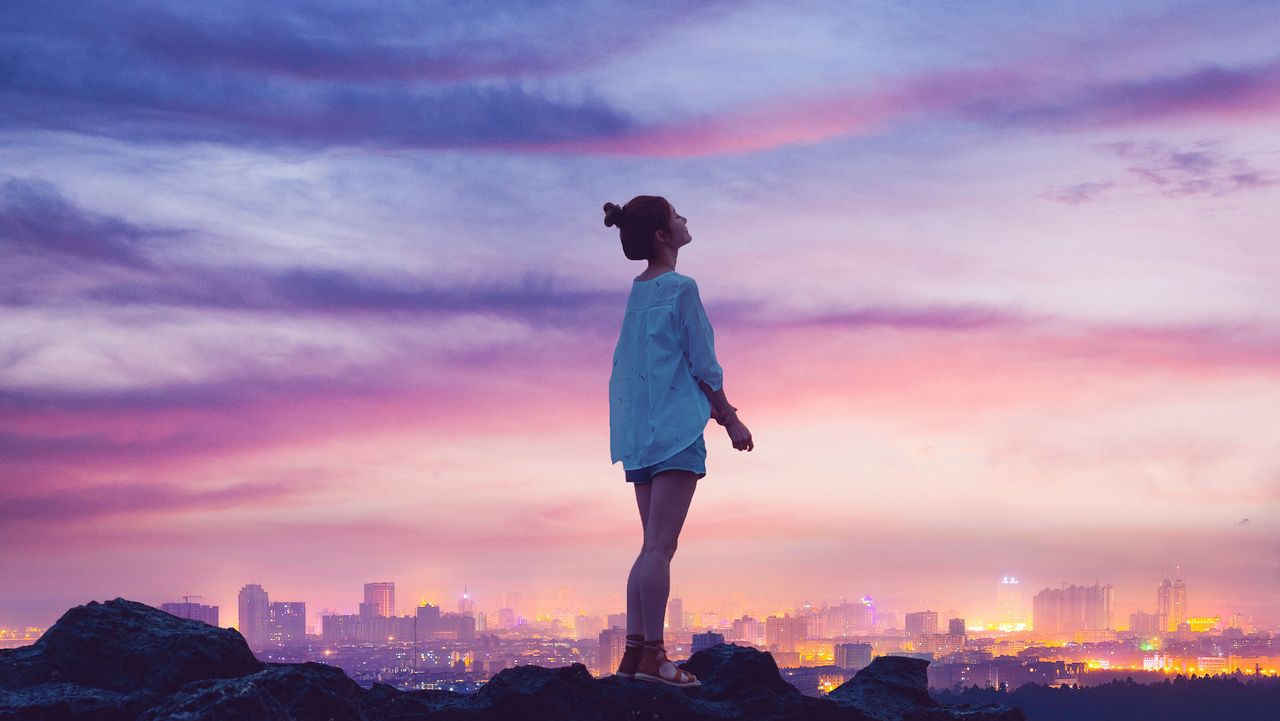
(679, 230)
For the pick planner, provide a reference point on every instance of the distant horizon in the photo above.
(318, 295)
(405, 606)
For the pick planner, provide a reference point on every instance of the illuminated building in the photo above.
(1072, 608)
(675, 615)
(1009, 601)
(938, 644)
(746, 629)
(193, 611)
(613, 642)
(853, 655)
(427, 620)
(781, 634)
(922, 622)
(466, 604)
(869, 606)
(382, 595)
(1211, 664)
(1200, 624)
(851, 619)
(253, 613)
(287, 621)
(457, 626)
(1171, 602)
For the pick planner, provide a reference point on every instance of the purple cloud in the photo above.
(35, 219)
(1077, 194)
(1211, 90)
(432, 41)
(925, 318)
(78, 504)
(1203, 169)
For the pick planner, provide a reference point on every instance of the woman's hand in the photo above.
(739, 434)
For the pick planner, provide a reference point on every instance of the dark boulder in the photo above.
(889, 689)
(280, 692)
(128, 647)
(121, 661)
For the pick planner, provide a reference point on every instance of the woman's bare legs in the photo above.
(668, 496)
(635, 614)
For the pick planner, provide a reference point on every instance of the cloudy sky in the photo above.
(311, 295)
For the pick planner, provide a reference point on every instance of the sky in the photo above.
(312, 295)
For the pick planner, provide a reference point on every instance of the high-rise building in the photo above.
(382, 594)
(617, 620)
(781, 634)
(1072, 608)
(1009, 601)
(466, 604)
(675, 615)
(193, 611)
(705, 640)
(745, 629)
(1171, 602)
(287, 622)
(585, 626)
(955, 627)
(853, 655)
(869, 609)
(1147, 623)
(253, 613)
(428, 621)
(613, 642)
(506, 618)
(922, 622)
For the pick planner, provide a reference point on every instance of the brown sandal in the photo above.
(666, 671)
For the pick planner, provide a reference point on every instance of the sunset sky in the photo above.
(312, 296)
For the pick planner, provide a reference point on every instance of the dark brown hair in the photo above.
(638, 221)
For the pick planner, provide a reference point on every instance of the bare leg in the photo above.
(635, 614)
(668, 505)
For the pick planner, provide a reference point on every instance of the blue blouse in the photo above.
(656, 407)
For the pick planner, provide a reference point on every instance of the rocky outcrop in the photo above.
(124, 661)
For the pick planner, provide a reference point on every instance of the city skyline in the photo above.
(312, 297)
(1001, 616)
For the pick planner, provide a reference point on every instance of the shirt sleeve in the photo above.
(699, 338)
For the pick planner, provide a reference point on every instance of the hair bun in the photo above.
(612, 215)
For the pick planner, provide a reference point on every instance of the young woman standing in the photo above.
(664, 386)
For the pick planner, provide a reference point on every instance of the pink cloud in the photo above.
(1025, 97)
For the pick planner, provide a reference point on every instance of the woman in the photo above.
(665, 384)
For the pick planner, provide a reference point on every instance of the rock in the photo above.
(896, 688)
(280, 692)
(728, 669)
(128, 647)
(124, 661)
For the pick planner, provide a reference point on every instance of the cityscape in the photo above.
(1070, 635)
(310, 314)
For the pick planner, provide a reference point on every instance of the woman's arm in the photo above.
(721, 410)
(727, 416)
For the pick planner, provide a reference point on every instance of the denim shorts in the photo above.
(693, 458)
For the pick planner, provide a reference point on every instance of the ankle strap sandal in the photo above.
(667, 671)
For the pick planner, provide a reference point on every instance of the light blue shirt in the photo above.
(656, 407)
